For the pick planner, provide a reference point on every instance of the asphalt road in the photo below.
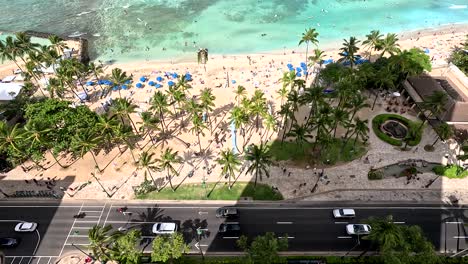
(309, 227)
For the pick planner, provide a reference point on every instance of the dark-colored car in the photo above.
(227, 212)
(229, 229)
(9, 242)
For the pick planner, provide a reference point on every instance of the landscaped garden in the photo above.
(397, 130)
(215, 191)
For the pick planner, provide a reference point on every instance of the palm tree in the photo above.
(361, 130)
(100, 240)
(202, 57)
(97, 70)
(384, 78)
(8, 51)
(258, 106)
(56, 87)
(339, 117)
(349, 50)
(357, 103)
(37, 133)
(159, 102)
(444, 131)
(207, 102)
(316, 58)
(229, 162)
(309, 36)
(435, 103)
(147, 162)
(107, 128)
(84, 141)
(118, 78)
(260, 159)
(183, 84)
(177, 97)
(301, 133)
(288, 79)
(23, 42)
(149, 123)
(389, 45)
(269, 122)
(282, 94)
(385, 233)
(197, 128)
(240, 93)
(239, 118)
(57, 43)
(166, 161)
(10, 138)
(123, 107)
(373, 40)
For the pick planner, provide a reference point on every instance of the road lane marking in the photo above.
(107, 216)
(231, 223)
(230, 237)
(91, 211)
(84, 221)
(284, 223)
(287, 237)
(77, 244)
(457, 237)
(341, 222)
(78, 236)
(92, 216)
(123, 222)
(345, 237)
(398, 222)
(102, 211)
(454, 223)
(82, 227)
(69, 232)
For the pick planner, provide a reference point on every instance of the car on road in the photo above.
(9, 242)
(227, 212)
(358, 229)
(344, 213)
(164, 228)
(26, 227)
(229, 229)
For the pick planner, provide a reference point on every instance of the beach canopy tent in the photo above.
(8, 91)
(9, 78)
(139, 85)
(159, 79)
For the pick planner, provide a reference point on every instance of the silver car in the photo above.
(344, 213)
(358, 229)
(164, 228)
(26, 227)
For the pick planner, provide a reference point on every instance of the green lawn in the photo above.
(334, 154)
(220, 192)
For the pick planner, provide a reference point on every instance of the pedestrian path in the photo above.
(30, 259)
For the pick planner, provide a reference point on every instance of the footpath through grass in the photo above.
(218, 191)
(334, 153)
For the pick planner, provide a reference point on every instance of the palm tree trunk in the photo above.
(170, 181)
(256, 177)
(56, 160)
(375, 100)
(307, 51)
(151, 175)
(95, 161)
(437, 140)
(199, 142)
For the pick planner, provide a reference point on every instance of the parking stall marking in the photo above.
(30, 259)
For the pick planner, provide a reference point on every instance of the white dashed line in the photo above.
(345, 237)
(284, 223)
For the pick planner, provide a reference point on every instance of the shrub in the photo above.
(375, 175)
(439, 170)
(380, 119)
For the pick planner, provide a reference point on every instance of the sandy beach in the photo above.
(223, 74)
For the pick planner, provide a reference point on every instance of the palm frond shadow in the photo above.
(455, 215)
(148, 217)
(189, 229)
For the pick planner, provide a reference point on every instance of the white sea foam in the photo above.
(83, 13)
(458, 6)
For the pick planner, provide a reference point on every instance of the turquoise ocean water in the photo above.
(131, 30)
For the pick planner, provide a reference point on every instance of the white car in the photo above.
(358, 229)
(164, 228)
(26, 227)
(344, 213)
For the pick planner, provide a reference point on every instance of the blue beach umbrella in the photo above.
(101, 82)
(170, 83)
(139, 85)
(175, 75)
(188, 76)
(159, 79)
(115, 88)
(151, 83)
(89, 83)
(107, 82)
(303, 65)
(128, 81)
(306, 73)
(233, 81)
(299, 74)
(142, 79)
(290, 66)
(298, 69)
(426, 50)
(158, 85)
(125, 87)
